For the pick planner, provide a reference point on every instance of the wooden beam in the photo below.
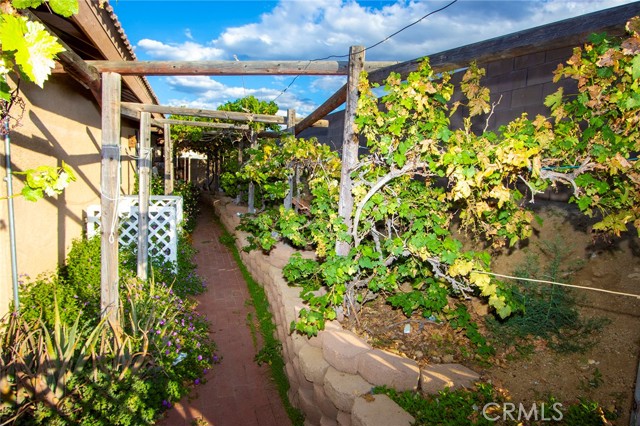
(329, 105)
(144, 172)
(110, 154)
(350, 145)
(223, 115)
(228, 126)
(168, 160)
(230, 67)
(569, 32)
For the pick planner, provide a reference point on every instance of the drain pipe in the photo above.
(12, 226)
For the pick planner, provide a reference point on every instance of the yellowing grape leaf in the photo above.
(37, 61)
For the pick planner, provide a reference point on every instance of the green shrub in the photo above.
(94, 374)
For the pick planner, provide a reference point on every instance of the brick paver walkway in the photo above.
(238, 392)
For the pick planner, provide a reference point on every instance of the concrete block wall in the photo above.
(331, 375)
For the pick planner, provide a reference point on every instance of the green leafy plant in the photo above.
(421, 177)
(447, 407)
(549, 312)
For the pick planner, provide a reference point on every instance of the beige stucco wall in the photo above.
(60, 123)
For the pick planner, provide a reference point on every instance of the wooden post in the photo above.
(109, 192)
(168, 161)
(291, 123)
(240, 146)
(350, 144)
(144, 167)
(252, 190)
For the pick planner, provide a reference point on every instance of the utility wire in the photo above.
(637, 296)
(369, 47)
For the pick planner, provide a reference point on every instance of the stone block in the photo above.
(299, 342)
(341, 349)
(529, 60)
(436, 377)
(313, 364)
(343, 418)
(328, 421)
(304, 383)
(499, 67)
(309, 407)
(531, 95)
(385, 368)
(316, 341)
(540, 74)
(327, 407)
(342, 388)
(379, 410)
(280, 255)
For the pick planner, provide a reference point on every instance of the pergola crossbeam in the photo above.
(212, 68)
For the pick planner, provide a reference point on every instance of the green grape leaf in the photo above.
(12, 33)
(635, 67)
(25, 4)
(5, 90)
(36, 61)
(553, 100)
(32, 194)
(65, 8)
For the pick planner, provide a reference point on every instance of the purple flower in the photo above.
(199, 357)
(162, 322)
(205, 371)
(166, 403)
(169, 343)
(196, 381)
(215, 358)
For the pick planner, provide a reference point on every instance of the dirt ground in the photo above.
(530, 370)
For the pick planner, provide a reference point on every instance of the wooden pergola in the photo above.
(104, 79)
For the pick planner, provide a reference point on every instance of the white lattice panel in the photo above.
(165, 218)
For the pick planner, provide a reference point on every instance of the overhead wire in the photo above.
(433, 12)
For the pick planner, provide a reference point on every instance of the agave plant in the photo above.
(37, 363)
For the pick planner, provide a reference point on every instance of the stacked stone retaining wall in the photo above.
(331, 375)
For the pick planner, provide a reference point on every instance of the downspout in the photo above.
(12, 226)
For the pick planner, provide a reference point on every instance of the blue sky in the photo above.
(310, 29)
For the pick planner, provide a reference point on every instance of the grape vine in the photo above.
(421, 178)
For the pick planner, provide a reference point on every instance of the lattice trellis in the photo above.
(165, 217)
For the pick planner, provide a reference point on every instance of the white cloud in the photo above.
(298, 30)
(186, 51)
(327, 83)
(206, 92)
(308, 30)
(320, 28)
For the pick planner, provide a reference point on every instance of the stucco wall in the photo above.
(60, 123)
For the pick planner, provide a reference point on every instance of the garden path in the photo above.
(237, 392)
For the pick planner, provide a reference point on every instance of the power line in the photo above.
(369, 47)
